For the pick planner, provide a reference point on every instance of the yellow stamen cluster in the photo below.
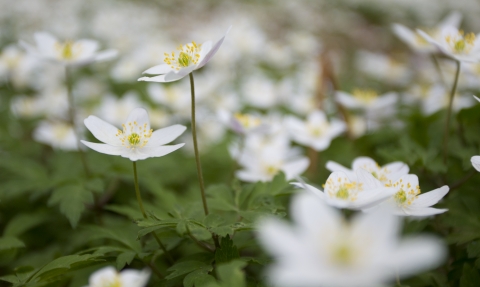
(134, 136)
(68, 50)
(272, 170)
(342, 188)
(461, 43)
(316, 130)
(366, 96)
(189, 54)
(247, 121)
(406, 194)
(343, 254)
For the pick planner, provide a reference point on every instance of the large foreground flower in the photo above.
(189, 57)
(109, 277)
(136, 141)
(322, 249)
(80, 52)
(359, 191)
(409, 201)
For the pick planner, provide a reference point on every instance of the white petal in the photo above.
(453, 19)
(158, 70)
(134, 278)
(45, 43)
(102, 130)
(173, 76)
(370, 198)
(430, 198)
(347, 100)
(423, 211)
(105, 275)
(381, 228)
(140, 116)
(399, 168)
(160, 150)
(165, 135)
(105, 148)
(368, 180)
(405, 34)
(87, 48)
(476, 98)
(295, 168)
(476, 162)
(277, 237)
(106, 55)
(385, 100)
(213, 50)
(363, 162)
(310, 188)
(333, 166)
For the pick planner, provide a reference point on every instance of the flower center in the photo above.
(66, 50)
(247, 121)
(342, 188)
(342, 193)
(461, 43)
(406, 193)
(189, 55)
(343, 254)
(366, 96)
(272, 170)
(401, 197)
(134, 136)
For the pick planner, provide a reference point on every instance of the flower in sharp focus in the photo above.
(77, 53)
(136, 140)
(418, 43)
(456, 44)
(386, 173)
(408, 201)
(358, 192)
(109, 277)
(316, 132)
(323, 249)
(189, 57)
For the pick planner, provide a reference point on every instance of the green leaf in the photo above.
(231, 274)
(10, 279)
(185, 267)
(9, 242)
(227, 251)
(470, 277)
(199, 278)
(95, 184)
(63, 264)
(125, 259)
(71, 199)
(23, 222)
(473, 249)
(220, 197)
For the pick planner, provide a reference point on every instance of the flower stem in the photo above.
(72, 114)
(449, 112)
(140, 204)
(195, 147)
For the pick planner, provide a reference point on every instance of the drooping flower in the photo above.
(357, 192)
(109, 277)
(456, 44)
(317, 132)
(408, 201)
(386, 173)
(418, 43)
(76, 53)
(323, 249)
(189, 57)
(136, 140)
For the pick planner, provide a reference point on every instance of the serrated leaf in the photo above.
(10, 242)
(199, 278)
(231, 274)
(470, 277)
(125, 259)
(71, 200)
(220, 197)
(185, 267)
(95, 184)
(227, 251)
(117, 234)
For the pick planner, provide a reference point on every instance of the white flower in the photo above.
(359, 191)
(386, 173)
(323, 249)
(57, 134)
(109, 277)
(316, 132)
(382, 67)
(456, 44)
(407, 200)
(81, 52)
(416, 42)
(243, 123)
(436, 97)
(367, 100)
(114, 110)
(190, 57)
(476, 162)
(136, 141)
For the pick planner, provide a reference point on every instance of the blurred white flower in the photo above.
(456, 44)
(476, 162)
(109, 277)
(317, 132)
(16, 66)
(407, 200)
(259, 91)
(385, 174)
(136, 141)
(175, 97)
(77, 53)
(357, 191)
(368, 100)
(57, 134)
(243, 124)
(323, 249)
(383, 67)
(416, 42)
(114, 110)
(190, 57)
(436, 97)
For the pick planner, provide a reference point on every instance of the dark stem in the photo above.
(449, 112)
(195, 146)
(71, 114)
(140, 204)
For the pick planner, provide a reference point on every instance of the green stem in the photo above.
(449, 113)
(140, 204)
(72, 113)
(195, 147)
(439, 70)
